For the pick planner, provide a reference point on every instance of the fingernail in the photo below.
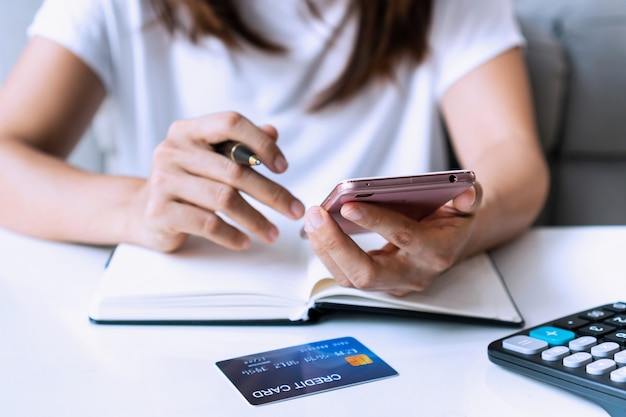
(474, 195)
(313, 219)
(351, 213)
(272, 235)
(297, 209)
(280, 163)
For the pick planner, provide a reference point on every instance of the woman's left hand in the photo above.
(416, 252)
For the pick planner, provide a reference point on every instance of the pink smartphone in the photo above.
(415, 196)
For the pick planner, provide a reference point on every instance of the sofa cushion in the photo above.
(593, 35)
(547, 69)
(595, 40)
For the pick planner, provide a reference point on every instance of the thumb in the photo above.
(469, 201)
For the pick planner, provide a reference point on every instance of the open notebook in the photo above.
(204, 283)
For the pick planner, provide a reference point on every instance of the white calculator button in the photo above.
(577, 360)
(582, 343)
(555, 353)
(620, 357)
(605, 350)
(524, 344)
(619, 375)
(601, 367)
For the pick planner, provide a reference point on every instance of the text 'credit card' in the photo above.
(304, 369)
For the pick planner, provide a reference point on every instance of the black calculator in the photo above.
(584, 353)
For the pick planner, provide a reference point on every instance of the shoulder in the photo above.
(456, 19)
(100, 12)
(467, 33)
(93, 30)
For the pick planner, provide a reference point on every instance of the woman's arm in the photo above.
(491, 122)
(45, 107)
(489, 115)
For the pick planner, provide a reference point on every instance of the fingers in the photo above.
(469, 201)
(396, 228)
(191, 186)
(399, 229)
(349, 265)
(202, 162)
(219, 127)
(386, 269)
(416, 252)
(207, 165)
(270, 131)
(173, 221)
(218, 197)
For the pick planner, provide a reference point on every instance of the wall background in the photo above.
(14, 19)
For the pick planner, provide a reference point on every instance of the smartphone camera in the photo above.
(452, 178)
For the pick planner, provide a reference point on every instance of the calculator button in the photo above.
(601, 367)
(553, 335)
(617, 337)
(570, 323)
(582, 343)
(616, 307)
(596, 329)
(555, 353)
(618, 321)
(605, 350)
(619, 375)
(620, 358)
(524, 344)
(596, 314)
(577, 360)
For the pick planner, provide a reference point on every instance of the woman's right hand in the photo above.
(190, 184)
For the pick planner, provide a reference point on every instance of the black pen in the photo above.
(238, 152)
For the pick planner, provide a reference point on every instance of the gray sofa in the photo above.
(577, 60)
(576, 55)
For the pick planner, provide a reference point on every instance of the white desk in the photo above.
(54, 362)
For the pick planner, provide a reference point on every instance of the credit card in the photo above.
(306, 369)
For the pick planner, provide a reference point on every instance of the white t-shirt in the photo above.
(153, 78)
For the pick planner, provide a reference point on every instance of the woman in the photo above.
(355, 88)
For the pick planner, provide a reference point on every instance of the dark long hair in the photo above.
(388, 31)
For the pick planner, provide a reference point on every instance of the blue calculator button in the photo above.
(553, 335)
